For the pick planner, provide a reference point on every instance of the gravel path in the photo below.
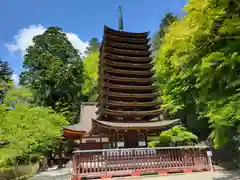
(191, 176)
(54, 174)
(63, 174)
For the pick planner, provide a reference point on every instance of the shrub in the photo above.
(176, 136)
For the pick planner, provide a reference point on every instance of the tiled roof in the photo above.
(88, 112)
(146, 125)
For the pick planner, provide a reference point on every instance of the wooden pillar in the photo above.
(100, 138)
(112, 138)
(80, 142)
(146, 140)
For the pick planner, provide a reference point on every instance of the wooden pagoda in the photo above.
(127, 112)
(128, 109)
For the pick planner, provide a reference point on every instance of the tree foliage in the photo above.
(18, 95)
(54, 71)
(5, 71)
(158, 37)
(90, 76)
(176, 136)
(93, 46)
(5, 78)
(28, 131)
(197, 68)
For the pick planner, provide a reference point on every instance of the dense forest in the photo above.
(197, 67)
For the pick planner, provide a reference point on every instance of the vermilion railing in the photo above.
(115, 162)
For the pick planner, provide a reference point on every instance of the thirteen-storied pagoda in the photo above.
(127, 106)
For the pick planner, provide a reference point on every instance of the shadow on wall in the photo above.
(19, 171)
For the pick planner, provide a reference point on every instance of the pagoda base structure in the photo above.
(131, 134)
(94, 134)
(127, 112)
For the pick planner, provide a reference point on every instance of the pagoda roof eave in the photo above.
(112, 56)
(124, 64)
(110, 37)
(118, 86)
(108, 30)
(121, 71)
(129, 79)
(128, 52)
(123, 45)
(132, 113)
(137, 104)
(132, 95)
(129, 104)
(151, 125)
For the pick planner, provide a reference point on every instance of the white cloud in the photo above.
(23, 39)
(77, 43)
(15, 78)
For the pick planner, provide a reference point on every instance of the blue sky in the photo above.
(81, 19)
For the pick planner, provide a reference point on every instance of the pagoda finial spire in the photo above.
(120, 20)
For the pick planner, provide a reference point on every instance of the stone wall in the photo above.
(19, 171)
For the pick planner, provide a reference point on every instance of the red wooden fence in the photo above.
(116, 162)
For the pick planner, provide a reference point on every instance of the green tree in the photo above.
(90, 76)
(5, 71)
(176, 136)
(93, 46)
(198, 68)
(18, 95)
(29, 131)
(167, 21)
(54, 71)
(5, 78)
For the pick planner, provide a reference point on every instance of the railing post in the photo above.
(209, 156)
(106, 154)
(134, 159)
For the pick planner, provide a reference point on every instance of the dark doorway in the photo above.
(131, 139)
